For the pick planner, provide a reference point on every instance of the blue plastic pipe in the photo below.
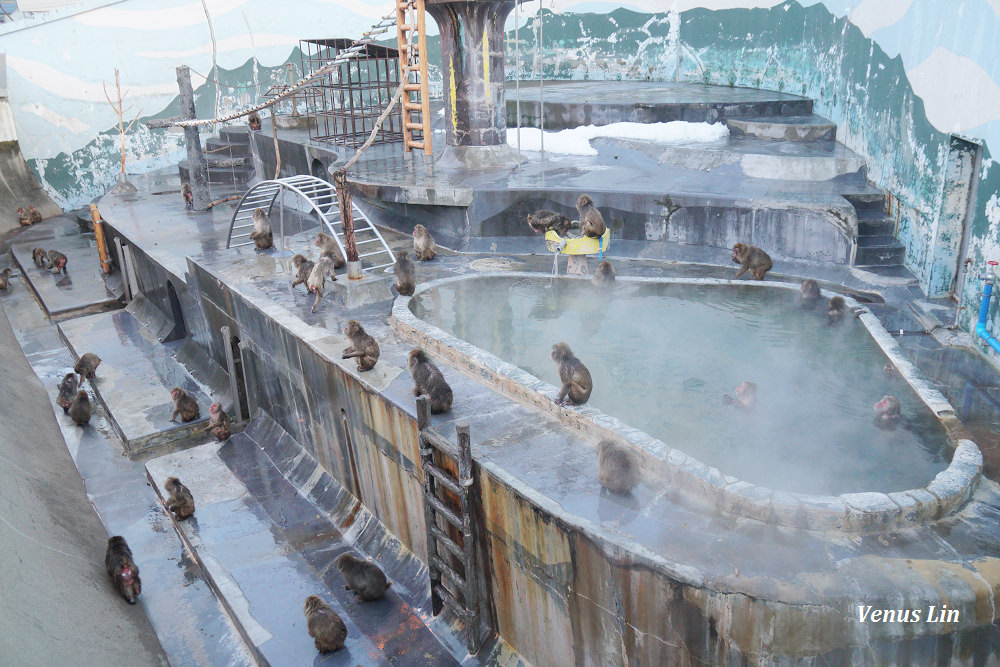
(984, 310)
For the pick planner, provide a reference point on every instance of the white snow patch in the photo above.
(576, 141)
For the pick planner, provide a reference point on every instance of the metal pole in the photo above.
(517, 74)
(541, 75)
(197, 170)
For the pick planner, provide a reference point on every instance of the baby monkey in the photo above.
(5, 279)
(261, 235)
(303, 267)
(218, 423)
(751, 258)
(181, 502)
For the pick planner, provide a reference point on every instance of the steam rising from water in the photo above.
(663, 355)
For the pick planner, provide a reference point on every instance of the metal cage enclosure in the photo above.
(346, 103)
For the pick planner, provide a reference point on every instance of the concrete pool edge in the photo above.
(850, 512)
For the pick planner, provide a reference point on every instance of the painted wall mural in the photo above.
(898, 76)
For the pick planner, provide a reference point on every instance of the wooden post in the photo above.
(346, 214)
(102, 244)
(197, 170)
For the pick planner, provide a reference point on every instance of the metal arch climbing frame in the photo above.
(322, 198)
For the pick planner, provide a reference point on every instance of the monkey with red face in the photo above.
(746, 396)
(887, 415)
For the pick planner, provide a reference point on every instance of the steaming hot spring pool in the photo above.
(662, 355)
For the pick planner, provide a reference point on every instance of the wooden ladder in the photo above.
(413, 74)
(450, 529)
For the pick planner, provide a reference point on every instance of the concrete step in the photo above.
(863, 200)
(227, 176)
(235, 134)
(787, 128)
(226, 148)
(268, 529)
(873, 212)
(83, 288)
(878, 227)
(878, 251)
(135, 378)
(191, 624)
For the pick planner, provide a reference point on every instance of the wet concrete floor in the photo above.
(188, 619)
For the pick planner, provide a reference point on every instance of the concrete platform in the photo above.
(784, 128)
(135, 378)
(266, 547)
(575, 103)
(84, 288)
(191, 624)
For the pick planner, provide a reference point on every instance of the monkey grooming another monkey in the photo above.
(181, 502)
(253, 120)
(303, 267)
(406, 274)
(79, 409)
(887, 413)
(67, 391)
(184, 405)
(328, 247)
(40, 258)
(364, 349)
(261, 234)
(751, 258)
(617, 467)
(576, 381)
(810, 294)
(317, 278)
(428, 379)
(57, 261)
(23, 217)
(543, 221)
(86, 368)
(423, 244)
(325, 627)
(591, 220)
(219, 423)
(746, 396)
(363, 577)
(836, 310)
(5, 279)
(33, 215)
(604, 276)
(122, 569)
(187, 194)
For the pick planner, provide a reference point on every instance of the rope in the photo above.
(352, 52)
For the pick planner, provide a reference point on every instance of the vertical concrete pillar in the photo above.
(196, 161)
(472, 63)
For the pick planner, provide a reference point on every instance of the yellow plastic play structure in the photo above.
(583, 245)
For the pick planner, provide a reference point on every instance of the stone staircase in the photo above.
(875, 244)
(230, 167)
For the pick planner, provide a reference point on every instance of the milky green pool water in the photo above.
(662, 356)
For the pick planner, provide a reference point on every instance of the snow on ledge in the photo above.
(576, 141)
